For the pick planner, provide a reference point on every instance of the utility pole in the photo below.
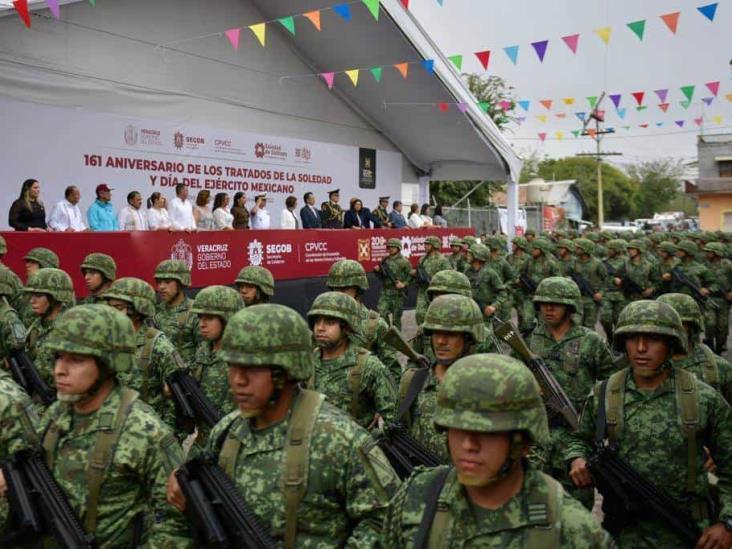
(597, 134)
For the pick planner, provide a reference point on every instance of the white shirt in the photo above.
(288, 220)
(66, 215)
(260, 219)
(158, 218)
(222, 219)
(181, 214)
(415, 221)
(131, 219)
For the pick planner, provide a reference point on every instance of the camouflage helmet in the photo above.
(257, 276)
(269, 335)
(542, 244)
(134, 291)
(668, 247)
(617, 245)
(649, 317)
(592, 237)
(219, 301)
(44, 257)
(479, 252)
(101, 262)
(688, 247)
(585, 244)
(8, 282)
(95, 330)
(716, 248)
(336, 305)
(522, 243)
(557, 289)
(491, 393)
(450, 281)
(347, 273)
(494, 243)
(394, 243)
(686, 306)
(455, 241)
(3, 246)
(606, 235)
(434, 241)
(565, 243)
(530, 232)
(638, 244)
(173, 269)
(53, 282)
(470, 240)
(455, 313)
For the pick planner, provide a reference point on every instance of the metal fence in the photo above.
(488, 220)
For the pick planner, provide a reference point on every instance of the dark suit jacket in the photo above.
(310, 220)
(350, 219)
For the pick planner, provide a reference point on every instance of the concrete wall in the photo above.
(712, 209)
(707, 152)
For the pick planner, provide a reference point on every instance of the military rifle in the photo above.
(394, 338)
(219, 514)
(423, 279)
(25, 374)
(38, 506)
(525, 280)
(681, 278)
(629, 285)
(192, 405)
(388, 274)
(554, 396)
(585, 287)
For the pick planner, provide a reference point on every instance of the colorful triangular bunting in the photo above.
(664, 106)
(527, 104)
(688, 91)
(429, 65)
(581, 115)
(233, 36)
(21, 6)
(707, 100)
(718, 119)
(621, 113)
(329, 78)
(54, 7)
(260, 31)
(713, 87)
(376, 73)
(344, 10)
(686, 104)
(403, 69)
(457, 60)
(462, 107)
(592, 100)
(575, 133)
(542, 136)
(484, 106)
(484, 57)
(662, 94)
(547, 103)
(615, 98)
(572, 41)
(353, 75)
(288, 22)
(540, 48)
(373, 7)
(680, 123)
(638, 28)
(604, 34)
(671, 20)
(568, 100)
(708, 11)
(314, 17)
(512, 53)
(699, 121)
(638, 96)
(444, 107)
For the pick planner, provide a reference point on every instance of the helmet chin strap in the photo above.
(278, 380)
(91, 392)
(514, 455)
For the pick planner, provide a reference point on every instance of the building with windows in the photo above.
(713, 188)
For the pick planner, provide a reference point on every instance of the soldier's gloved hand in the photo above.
(715, 537)
(3, 485)
(647, 292)
(580, 474)
(597, 296)
(704, 291)
(378, 423)
(667, 277)
(400, 285)
(174, 494)
(489, 310)
(617, 281)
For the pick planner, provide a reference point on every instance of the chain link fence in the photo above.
(488, 220)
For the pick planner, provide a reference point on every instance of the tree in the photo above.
(656, 185)
(491, 92)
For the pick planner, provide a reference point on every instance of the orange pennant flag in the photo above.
(671, 20)
(547, 103)
(403, 68)
(314, 17)
(728, 97)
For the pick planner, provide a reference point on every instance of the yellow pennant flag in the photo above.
(568, 100)
(604, 34)
(542, 117)
(718, 120)
(559, 135)
(353, 75)
(259, 31)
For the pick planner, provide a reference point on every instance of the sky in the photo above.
(698, 53)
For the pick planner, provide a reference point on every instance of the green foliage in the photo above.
(657, 184)
(447, 193)
(490, 91)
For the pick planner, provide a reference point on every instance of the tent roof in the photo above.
(449, 145)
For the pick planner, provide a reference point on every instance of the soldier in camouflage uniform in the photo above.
(428, 265)
(393, 292)
(350, 377)
(639, 269)
(541, 265)
(667, 261)
(12, 330)
(504, 270)
(613, 297)
(97, 420)
(99, 271)
(594, 272)
(652, 397)
(173, 316)
(155, 356)
(457, 258)
(51, 292)
(577, 356)
(17, 298)
(337, 492)
(488, 291)
(214, 306)
(520, 253)
(720, 292)
(255, 284)
(454, 326)
(565, 257)
(699, 359)
(40, 258)
(696, 272)
(491, 408)
(348, 276)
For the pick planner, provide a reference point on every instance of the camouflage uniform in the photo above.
(104, 265)
(536, 269)
(348, 273)
(640, 270)
(517, 260)
(57, 285)
(485, 282)
(505, 271)
(391, 299)
(595, 274)
(649, 435)
(46, 259)
(155, 356)
(717, 320)
(666, 264)
(566, 262)
(613, 299)
(356, 382)
(448, 313)
(261, 278)
(491, 394)
(432, 263)
(457, 258)
(12, 331)
(177, 322)
(346, 489)
(144, 454)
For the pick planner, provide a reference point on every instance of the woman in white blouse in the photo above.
(157, 216)
(414, 221)
(222, 218)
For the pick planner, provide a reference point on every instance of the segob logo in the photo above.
(131, 135)
(178, 140)
(256, 253)
(182, 252)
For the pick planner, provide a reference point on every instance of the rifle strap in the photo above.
(371, 329)
(687, 400)
(355, 377)
(151, 336)
(410, 386)
(435, 522)
(614, 403)
(182, 321)
(711, 371)
(601, 419)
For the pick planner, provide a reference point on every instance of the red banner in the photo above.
(216, 257)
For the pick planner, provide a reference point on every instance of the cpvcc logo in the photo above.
(255, 252)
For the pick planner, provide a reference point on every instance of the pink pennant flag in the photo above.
(699, 121)
(542, 136)
(713, 87)
(328, 77)
(572, 41)
(233, 36)
(505, 105)
(54, 7)
(462, 107)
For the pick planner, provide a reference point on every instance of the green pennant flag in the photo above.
(457, 60)
(484, 106)
(641, 107)
(592, 100)
(93, 3)
(376, 73)
(288, 22)
(626, 128)
(686, 104)
(575, 133)
(688, 91)
(373, 6)
(638, 28)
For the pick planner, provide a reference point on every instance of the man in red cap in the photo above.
(101, 214)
